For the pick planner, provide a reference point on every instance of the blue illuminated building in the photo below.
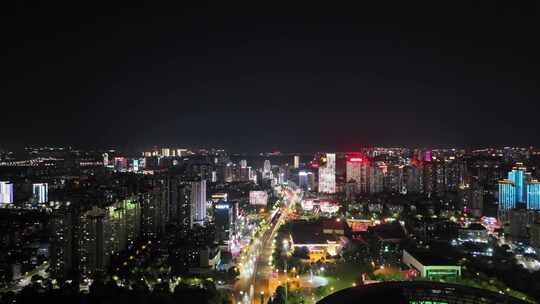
(533, 195)
(517, 176)
(507, 195)
(519, 188)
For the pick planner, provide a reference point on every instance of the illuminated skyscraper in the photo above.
(94, 238)
(303, 180)
(6, 192)
(296, 162)
(40, 193)
(198, 202)
(165, 152)
(267, 169)
(120, 164)
(105, 159)
(507, 195)
(533, 195)
(393, 179)
(428, 155)
(376, 179)
(357, 167)
(517, 176)
(327, 174)
(429, 178)
(243, 164)
(525, 189)
(223, 220)
(243, 174)
(61, 253)
(412, 179)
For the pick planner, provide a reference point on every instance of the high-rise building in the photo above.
(165, 152)
(198, 202)
(223, 220)
(429, 178)
(6, 192)
(296, 162)
(105, 159)
(267, 169)
(507, 195)
(305, 180)
(135, 165)
(376, 179)
(120, 163)
(533, 195)
(244, 174)
(327, 174)
(439, 177)
(181, 152)
(519, 221)
(124, 219)
(243, 164)
(94, 237)
(519, 188)
(412, 179)
(40, 193)
(428, 155)
(61, 247)
(267, 166)
(534, 235)
(393, 178)
(228, 172)
(154, 208)
(517, 177)
(477, 201)
(357, 167)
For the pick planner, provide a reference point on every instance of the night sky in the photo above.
(271, 75)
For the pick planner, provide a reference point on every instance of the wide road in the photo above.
(255, 272)
(26, 279)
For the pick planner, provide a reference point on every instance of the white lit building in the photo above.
(165, 152)
(6, 192)
(40, 193)
(327, 174)
(198, 202)
(267, 169)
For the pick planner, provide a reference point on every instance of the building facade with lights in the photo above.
(327, 174)
(357, 171)
(519, 189)
(198, 202)
(40, 193)
(6, 192)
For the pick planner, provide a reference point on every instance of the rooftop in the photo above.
(427, 258)
(310, 232)
(476, 226)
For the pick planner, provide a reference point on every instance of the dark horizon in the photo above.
(258, 78)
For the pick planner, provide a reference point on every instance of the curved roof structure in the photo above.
(414, 292)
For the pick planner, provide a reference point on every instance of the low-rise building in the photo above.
(430, 266)
(312, 236)
(475, 233)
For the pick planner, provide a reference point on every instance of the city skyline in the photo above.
(220, 152)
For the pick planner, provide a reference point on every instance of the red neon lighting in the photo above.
(355, 159)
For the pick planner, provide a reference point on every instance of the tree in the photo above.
(301, 252)
(279, 296)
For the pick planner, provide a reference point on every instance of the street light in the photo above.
(262, 297)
